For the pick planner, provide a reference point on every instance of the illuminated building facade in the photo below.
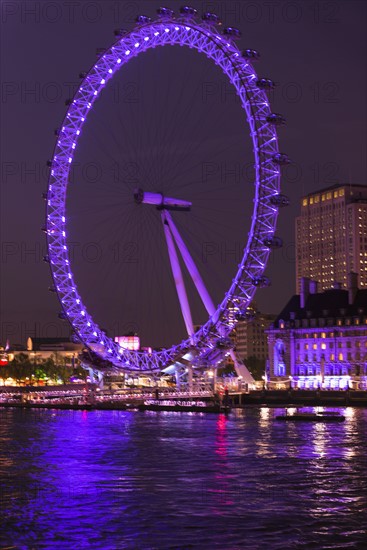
(130, 341)
(331, 236)
(319, 340)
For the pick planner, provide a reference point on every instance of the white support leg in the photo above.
(241, 369)
(177, 275)
(191, 267)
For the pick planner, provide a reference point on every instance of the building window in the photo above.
(340, 357)
(279, 358)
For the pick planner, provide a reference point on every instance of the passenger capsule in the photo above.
(143, 19)
(232, 32)
(83, 74)
(261, 282)
(273, 242)
(251, 54)
(188, 11)
(265, 84)
(211, 18)
(224, 343)
(165, 12)
(276, 119)
(279, 200)
(68, 102)
(46, 259)
(281, 159)
(62, 315)
(120, 32)
(51, 289)
(244, 315)
(100, 52)
(49, 163)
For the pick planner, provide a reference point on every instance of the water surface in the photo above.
(159, 480)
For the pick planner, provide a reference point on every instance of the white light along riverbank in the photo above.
(86, 398)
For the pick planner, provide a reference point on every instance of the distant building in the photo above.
(319, 340)
(53, 345)
(130, 341)
(331, 236)
(250, 337)
(43, 348)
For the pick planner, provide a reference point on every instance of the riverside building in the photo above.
(319, 340)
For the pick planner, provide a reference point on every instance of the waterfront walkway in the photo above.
(87, 397)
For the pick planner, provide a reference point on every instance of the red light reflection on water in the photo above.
(220, 440)
(221, 490)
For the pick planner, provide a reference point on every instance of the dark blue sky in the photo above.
(315, 51)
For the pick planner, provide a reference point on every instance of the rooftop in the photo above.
(337, 186)
(332, 303)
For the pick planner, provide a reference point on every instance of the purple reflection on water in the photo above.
(110, 480)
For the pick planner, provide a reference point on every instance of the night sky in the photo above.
(169, 123)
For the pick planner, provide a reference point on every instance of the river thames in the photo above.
(158, 480)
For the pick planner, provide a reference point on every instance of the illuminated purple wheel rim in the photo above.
(205, 38)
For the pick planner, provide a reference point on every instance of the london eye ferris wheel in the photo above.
(207, 344)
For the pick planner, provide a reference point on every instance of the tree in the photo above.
(62, 371)
(40, 371)
(256, 366)
(21, 368)
(81, 373)
(4, 372)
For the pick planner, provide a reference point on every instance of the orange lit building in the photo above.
(331, 236)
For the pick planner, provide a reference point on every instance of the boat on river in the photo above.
(318, 416)
(183, 405)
